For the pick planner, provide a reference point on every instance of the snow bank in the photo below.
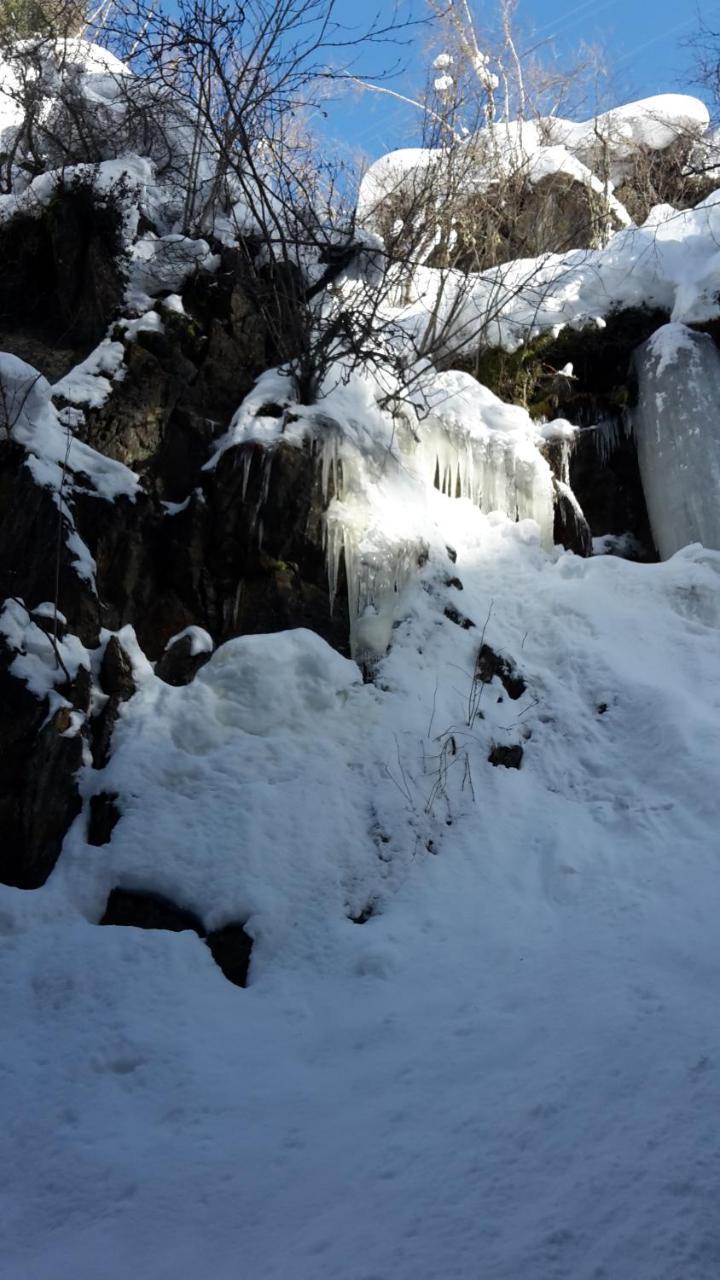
(535, 965)
(670, 263)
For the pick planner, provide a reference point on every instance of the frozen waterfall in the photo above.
(677, 425)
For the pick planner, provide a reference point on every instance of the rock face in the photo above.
(490, 664)
(509, 757)
(234, 550)
(521, 220)
(181, 661)
(62, 278)
(609, 488)
(39, 797)
(231, 946)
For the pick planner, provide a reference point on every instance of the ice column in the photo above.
(677, 426)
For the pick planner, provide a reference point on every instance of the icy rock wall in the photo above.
(677, 425)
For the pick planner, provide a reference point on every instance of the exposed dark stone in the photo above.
(458, 618)
(452, 554)
(51, 625)
(104, 817)
(144, 910)
(178, 665)
(570, 528)
(366, 914)
(36, 817)
(39, 796)
(602, 383)
(79, 691)
(35, 564)
(520, 219)
(131, 424)
(116, 674)
(62, 277)
(490, 664)
(101, 731)
(601, 708)
(230, 946)
(454, 582)
(609, 489)
(244, 555)
(510, 757)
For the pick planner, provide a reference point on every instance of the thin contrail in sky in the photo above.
(567, 19)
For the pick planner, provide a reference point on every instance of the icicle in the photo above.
(246, 464)
(263, 491)
(376, 571)
(606, 438)
(497, 472)
(330, 465)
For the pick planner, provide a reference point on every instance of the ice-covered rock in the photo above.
(678, 436)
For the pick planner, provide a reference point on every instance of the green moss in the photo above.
(601, 357)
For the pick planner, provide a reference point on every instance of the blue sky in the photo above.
(642, 39)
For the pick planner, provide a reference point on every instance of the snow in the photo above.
(457, 435)
(678, 436)
(654, 123)
(511, 1065)
(200, 640)
(510, 1069)
(163, 263)
(669, 263)
(90, 382)
(36, 652)
(55, 458)
(547, 146)
(27, 412)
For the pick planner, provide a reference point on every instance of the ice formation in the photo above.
(678, 436)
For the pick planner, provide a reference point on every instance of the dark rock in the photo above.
(458, 618)
(39, 796)
(62, 278)
(231, 948)
(521, 219)
(245, 555)
(51, 625)
(602, 383)
(490, 664)
(510, 757)
(144, 910)
(454, 582)
(452, 554)
(116, 674)
(35, 563)
(570, 528)
(609, 489)
(366, 914)
(104, 817)
(101, 731)
(178, 664)
(79, 691)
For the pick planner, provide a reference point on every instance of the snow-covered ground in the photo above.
(511, 1070)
